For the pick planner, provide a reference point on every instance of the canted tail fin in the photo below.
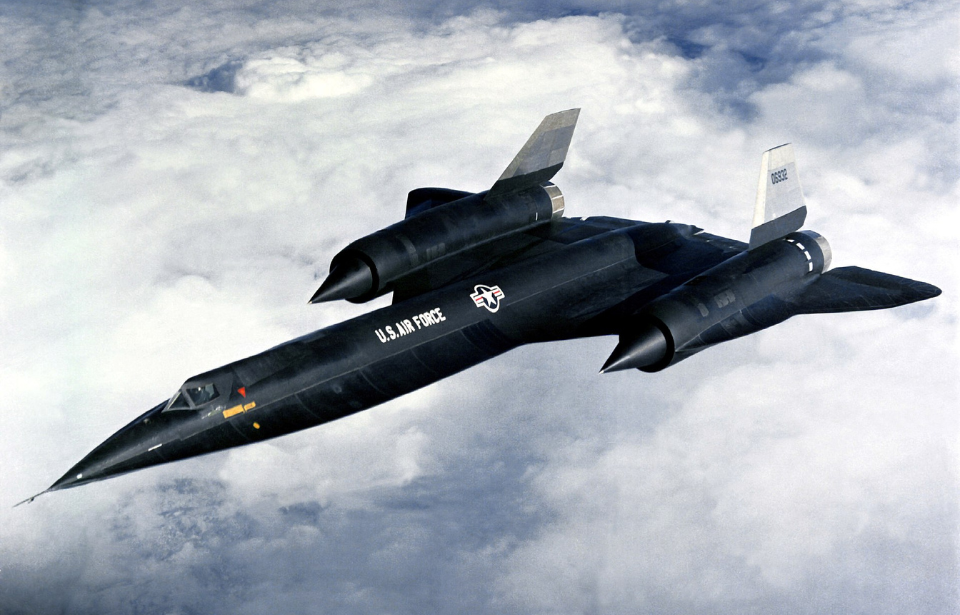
(542, 155)
(534, 166)
(780, 209)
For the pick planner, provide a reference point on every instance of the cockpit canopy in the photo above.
(200, 391)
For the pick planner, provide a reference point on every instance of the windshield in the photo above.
(193, 397)
(202, 394)
(178, 402)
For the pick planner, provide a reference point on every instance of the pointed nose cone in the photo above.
(133, 447)
(636, 351)
(349, 279)
(104, 462)
(74, 477)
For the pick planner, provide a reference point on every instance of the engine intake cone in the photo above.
(349, 279)
(642, 349)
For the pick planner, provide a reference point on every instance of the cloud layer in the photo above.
(175, 181)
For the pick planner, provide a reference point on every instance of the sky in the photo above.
(174, 181)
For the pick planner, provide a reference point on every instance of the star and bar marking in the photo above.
(487, 296)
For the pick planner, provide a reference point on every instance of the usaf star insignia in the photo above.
(487, 296)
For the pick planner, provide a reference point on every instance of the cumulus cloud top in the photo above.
(175, 180)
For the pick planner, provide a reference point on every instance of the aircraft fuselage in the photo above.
(565, 293)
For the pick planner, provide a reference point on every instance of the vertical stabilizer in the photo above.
(779, 210)
(542, 155)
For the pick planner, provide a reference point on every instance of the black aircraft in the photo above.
(475, 275)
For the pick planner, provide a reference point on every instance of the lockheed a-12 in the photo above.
(474, 275)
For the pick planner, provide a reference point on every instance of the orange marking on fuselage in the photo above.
(232, 411)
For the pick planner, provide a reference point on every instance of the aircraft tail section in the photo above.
(780, 209)
(542, 155)
(854, 289)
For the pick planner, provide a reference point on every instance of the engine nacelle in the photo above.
(366, 268)
(741, 295)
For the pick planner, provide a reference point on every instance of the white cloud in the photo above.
(765, 481)
(175, 180)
